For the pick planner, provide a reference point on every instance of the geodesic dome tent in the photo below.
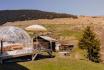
(15, 35)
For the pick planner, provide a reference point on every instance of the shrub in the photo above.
(91, 44)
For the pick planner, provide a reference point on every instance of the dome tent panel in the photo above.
(15, 35)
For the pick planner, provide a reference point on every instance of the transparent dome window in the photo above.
(14, 35)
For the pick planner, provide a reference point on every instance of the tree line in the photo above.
(21, 15)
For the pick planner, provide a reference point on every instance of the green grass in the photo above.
(57, 63)
(62, 64)
(64, 30)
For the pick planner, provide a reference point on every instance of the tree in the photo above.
(91, 44)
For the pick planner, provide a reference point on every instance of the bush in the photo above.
(91, 44)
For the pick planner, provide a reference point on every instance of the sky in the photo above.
(76, 7)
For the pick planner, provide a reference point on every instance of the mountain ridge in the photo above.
(22, 15)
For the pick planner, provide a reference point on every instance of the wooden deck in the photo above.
(17, 53)
(23, 52)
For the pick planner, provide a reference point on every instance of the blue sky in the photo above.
(77, 7)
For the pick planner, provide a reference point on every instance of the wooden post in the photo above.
(1, 47)
(37, 49)
(50, 50)
(51, 45)
(1, 61)
(37, 41)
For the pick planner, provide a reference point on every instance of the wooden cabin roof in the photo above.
(47, 38)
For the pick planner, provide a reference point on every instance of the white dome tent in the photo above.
(16, 35)
(15, 41)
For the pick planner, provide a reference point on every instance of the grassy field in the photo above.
(56, 63)
(61, 31)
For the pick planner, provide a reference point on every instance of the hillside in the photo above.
(21, 15)
(68, 30)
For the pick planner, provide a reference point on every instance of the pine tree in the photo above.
(91, 44)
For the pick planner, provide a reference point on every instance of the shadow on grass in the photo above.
(12, 66)
(39, 57)
(18, 59)
(26, 58)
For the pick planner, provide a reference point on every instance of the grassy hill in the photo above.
(21, 15)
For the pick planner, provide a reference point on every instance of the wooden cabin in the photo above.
(45, 42)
